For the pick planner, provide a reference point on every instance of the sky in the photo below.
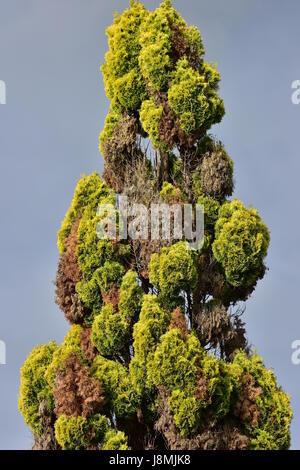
(50, 54)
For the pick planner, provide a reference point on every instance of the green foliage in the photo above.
(92, 252)
(110, 273)
(89, 192)
(71, 433)
(170, 194)
(99, 260)
(194, 40)
(115, 441)
(173, 271)
(221, 381)
(99, 425)
(175, 365)
(211, 210)
(178, 364)
(193, 97)
(146, 334)
(241, 243)
(156, 41)
(34, 387)
(110, 331)
(121, 63)
(77, 433)
(111, 121)
(186, 411)
(119, 392)
(90, 294)
(131, 90)
(176, 361)
(150, 117)
(131, 295)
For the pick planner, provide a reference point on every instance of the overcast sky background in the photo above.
(50, 53)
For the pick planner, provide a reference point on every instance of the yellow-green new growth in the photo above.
(241, 243)
(34, 385)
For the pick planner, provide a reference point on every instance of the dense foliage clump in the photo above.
(156, 356)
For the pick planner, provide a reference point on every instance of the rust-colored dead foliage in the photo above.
(181, 48)
(67, 276)
(88, 349)
(201, 393)
(178, 321)
(112, 296)
(238, 441)
(179, 44)
(169, 127)
(76, 393)
(246, 409)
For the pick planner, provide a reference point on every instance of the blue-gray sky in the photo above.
(50, 53)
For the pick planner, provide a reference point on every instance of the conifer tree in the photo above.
(157, 356)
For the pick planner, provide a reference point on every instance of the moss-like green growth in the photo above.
(221, 381)
(34, 386)
(197, 380)
(177, 364)
(186, 411)
(99, 425)
(92, 252)
(241, 243)
(111, 121)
